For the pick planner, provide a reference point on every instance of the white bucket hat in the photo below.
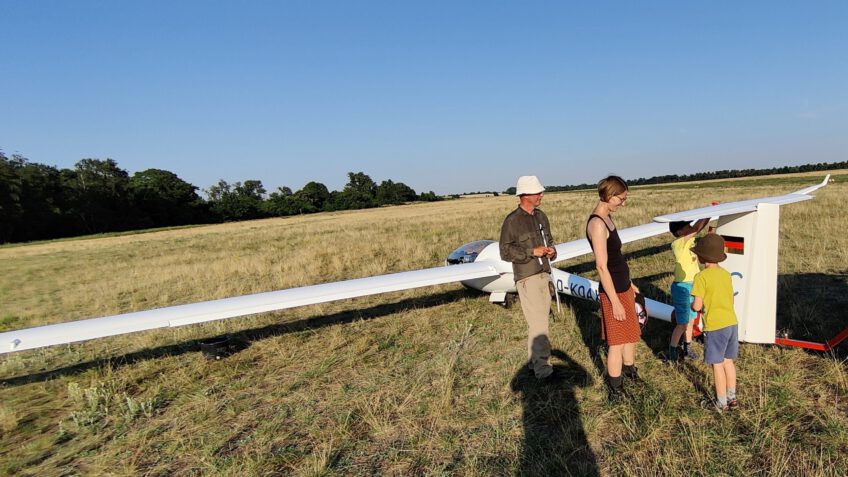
(528, 185)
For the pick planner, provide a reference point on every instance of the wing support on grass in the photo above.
(826, 346)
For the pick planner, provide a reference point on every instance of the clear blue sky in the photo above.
(445, 96)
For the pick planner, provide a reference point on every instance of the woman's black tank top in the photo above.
(615, 260)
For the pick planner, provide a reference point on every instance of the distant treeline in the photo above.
(43, 202)
(702, 176)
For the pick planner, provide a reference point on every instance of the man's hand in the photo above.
(542, 251)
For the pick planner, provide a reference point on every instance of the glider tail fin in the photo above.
(750, 240)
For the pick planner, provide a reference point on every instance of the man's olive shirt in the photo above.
(520, 234)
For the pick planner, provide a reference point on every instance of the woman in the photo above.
(619, 324)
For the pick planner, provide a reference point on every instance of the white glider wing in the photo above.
(579, 247)
(739, 207)
(179, 315)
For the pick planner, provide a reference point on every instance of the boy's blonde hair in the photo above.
(610, 186)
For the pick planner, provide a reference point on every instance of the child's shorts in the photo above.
(721, 344)
(682, 299)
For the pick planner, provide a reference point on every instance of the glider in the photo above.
(749, 225)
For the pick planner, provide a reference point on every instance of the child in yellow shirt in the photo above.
(685, 269)
(713, 292)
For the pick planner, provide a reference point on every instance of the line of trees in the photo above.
(95, 196)
(702, 176)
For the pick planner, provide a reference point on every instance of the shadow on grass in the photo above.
(588, 317)
(554, 439)
(699, 374)
(812, 307)
(242, 339)
(657, 333)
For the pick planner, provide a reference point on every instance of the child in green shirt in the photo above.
(713, 292)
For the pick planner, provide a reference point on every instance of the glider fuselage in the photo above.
(488, 251)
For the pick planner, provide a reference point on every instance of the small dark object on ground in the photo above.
(217, 347)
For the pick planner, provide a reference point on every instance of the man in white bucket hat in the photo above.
(526, 242)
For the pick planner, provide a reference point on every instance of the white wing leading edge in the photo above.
(741, 206)
(579, 247)
(179, 315)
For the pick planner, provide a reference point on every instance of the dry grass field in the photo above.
(422, 382)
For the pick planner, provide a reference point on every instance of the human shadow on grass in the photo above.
(242, 339)
(587, 314)
(554, 439)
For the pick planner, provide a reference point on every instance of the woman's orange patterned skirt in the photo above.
(620, 332)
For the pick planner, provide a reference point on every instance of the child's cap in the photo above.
(710, 248)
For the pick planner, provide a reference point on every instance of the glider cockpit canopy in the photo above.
(468, 252)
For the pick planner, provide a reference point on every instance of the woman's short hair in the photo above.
(610, 186)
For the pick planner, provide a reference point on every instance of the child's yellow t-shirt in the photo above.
(715, 287)
(685, 262)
